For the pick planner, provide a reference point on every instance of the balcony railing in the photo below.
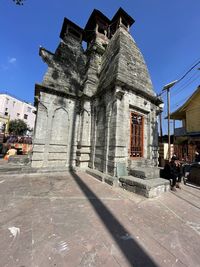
(179, 131)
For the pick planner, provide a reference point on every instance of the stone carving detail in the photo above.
(42, 119)
(60, 126)
(100, 138)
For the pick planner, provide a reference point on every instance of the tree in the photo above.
(18, 127)
(19, 2)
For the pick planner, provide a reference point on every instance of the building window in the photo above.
(14, 103)
(6, 113)
(7, 100)
(28, 109)
(18, 114)
(137, 130)
(6, 109)
(25, 116)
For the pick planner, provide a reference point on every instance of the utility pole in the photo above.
(160, 122)
(167, 88)
(168, 117)
(161, 107)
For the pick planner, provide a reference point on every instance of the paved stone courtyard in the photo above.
(70, 220)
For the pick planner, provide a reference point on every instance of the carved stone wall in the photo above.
(56, 134)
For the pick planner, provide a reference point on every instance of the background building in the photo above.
(12, 108)
(187, 137)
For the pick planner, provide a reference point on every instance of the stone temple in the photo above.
(96, 107)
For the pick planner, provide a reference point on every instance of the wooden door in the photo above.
(136, 136)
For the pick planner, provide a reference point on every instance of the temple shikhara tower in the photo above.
(96, 106)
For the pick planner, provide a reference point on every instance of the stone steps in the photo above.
(19, 159)
(103, 177)
(146, 187)
(22, 170)
(149, 188)
(140, 163)
(145, 172)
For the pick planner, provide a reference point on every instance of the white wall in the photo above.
(17, 109)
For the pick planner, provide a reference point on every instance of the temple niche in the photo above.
(96, 107)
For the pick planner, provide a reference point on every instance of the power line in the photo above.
(186, 98)
(179, 80)
(188, 71)
(182, 100)
(186, 84)
(194, 62)
(187, 80)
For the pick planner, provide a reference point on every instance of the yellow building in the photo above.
(187, 138)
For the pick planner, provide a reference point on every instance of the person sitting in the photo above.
(12, 151)
(167, 171)
(175, 173)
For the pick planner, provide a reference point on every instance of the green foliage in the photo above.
(18, 127)
(19, 2)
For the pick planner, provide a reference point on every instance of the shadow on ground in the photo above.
(133, 252)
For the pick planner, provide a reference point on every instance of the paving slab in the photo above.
(72, 219)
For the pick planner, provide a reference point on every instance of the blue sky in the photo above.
(167, 32)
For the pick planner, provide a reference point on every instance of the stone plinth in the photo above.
(148, 188)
